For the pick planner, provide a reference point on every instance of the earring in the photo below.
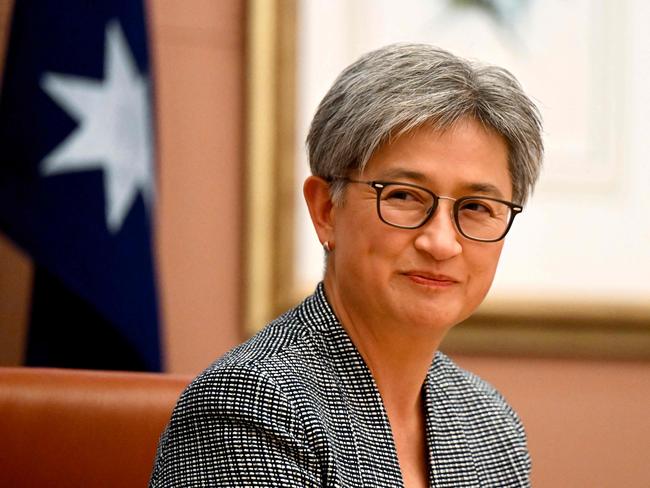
(326, 246)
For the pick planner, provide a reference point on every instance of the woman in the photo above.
(416, 156)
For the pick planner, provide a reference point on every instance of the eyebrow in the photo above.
(475, 187)
(488, 188)
(405, 173)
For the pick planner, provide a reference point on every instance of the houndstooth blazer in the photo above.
(296, 406)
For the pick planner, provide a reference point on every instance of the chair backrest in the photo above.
(70, 428)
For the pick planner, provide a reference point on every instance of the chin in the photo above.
(436, 320)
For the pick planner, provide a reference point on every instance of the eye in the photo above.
(475, 206)
(400, 194)
(403, 195)
(478, 208)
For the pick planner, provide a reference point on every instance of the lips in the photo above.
(430, 279)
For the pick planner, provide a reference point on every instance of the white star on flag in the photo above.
(114, 132)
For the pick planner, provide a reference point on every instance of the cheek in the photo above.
(360, 233)
(483, 266)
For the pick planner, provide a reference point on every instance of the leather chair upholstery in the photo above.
(70, 428)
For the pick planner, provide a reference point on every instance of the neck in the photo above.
(398, 357)
(399, 368)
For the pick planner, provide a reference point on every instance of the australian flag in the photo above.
(77, 181)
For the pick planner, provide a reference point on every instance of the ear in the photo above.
(317, 195)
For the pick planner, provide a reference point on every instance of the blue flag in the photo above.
(77, 182)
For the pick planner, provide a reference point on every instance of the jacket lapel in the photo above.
(368, 421)
(450, 461)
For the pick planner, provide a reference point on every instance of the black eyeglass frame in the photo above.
(379, 187)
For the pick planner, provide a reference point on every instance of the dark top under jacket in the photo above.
(296, 406)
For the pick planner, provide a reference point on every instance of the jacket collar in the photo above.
(450, 459)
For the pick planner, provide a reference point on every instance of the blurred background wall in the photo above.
(199, 58)
(236, 83)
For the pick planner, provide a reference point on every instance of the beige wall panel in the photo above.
(220, 19)
(587, 421)
(199, 59)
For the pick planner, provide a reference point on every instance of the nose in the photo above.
(438, 237)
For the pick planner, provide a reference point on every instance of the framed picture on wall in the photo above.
(573, 277)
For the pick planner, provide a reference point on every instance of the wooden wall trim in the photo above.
(270, 141)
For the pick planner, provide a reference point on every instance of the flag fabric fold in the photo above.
(77, 180)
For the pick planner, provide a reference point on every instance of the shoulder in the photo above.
(243, 407)
(478, 414)
(294, 335)
(260, 380)
(234, 425)
(468, 391)
(257, 371)
(490, 421)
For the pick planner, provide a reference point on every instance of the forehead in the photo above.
(466, 157)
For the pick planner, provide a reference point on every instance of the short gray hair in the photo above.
(400, 87)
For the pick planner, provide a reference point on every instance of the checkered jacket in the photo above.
(296, 406)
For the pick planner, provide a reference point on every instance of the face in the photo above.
(430, 277)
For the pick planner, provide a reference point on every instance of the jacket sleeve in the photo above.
(234, 427)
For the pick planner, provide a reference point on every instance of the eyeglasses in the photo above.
(408, 206)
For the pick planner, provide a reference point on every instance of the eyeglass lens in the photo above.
(476, 217)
